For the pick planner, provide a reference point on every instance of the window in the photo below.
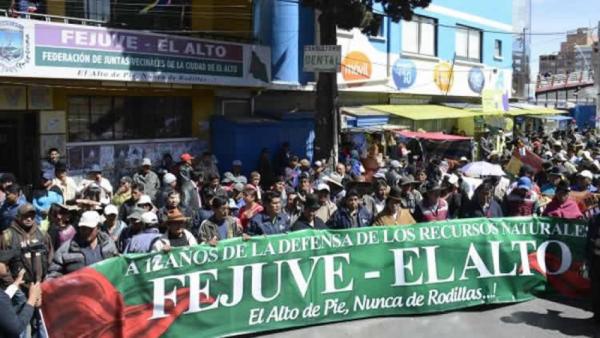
(135, 14)
(419, 36)
(107, 118)
(498, 49)
(468, 44)
(377, 29)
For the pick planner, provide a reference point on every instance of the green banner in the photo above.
(314, 277)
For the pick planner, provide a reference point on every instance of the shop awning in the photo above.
(518, 110)
(424, 111)
(433, 136)
(363, 116)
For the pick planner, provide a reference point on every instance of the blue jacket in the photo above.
(143, 242)
(42, 203)
(8, 212)
(262, 224)
(341, 219)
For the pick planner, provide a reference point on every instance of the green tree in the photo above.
(346, 14)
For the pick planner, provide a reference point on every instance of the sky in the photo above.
(558, 16)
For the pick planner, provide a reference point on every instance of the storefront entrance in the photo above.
(18, 150)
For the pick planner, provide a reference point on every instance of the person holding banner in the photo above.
(272, 220)
(522, 200)
(220, 225)
(432, 208)
(309, 219)
(351, 215)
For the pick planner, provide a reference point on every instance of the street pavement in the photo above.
(539, 318)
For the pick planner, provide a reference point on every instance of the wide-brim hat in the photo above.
(176, 216)
(312, 202)
(408, 180)
(334, 179)
(432, 186)
(395, 194)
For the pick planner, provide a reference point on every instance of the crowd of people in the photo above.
(66, 225)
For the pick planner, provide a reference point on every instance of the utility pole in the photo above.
(596, 66)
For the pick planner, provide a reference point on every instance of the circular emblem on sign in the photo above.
(356, 66)
(443, 76)
(404, 73)
(476, 79)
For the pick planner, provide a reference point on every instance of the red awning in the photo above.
(434, 136)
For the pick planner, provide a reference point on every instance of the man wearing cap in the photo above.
(432, 208)
(149, 239)
(352, 214)
(188, 188)
(561, 205)
(148, 178)
(392, 176)
(336, 186)
(13, 200)
(112, 225)
(89, 246)
(134, 227)
(561, 160)
(220, 225)
(169, 184)
(137, 190)
(326, 207)
(145, 203)
(123, 192)
(272, 220)
(522, 200)
(177, 235)
(34, 246)
(95, 178)
(393, 213)
(584, 182)
(555, 174)
(309, 219)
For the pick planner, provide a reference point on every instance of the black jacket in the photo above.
(302, 224)
(472, 209)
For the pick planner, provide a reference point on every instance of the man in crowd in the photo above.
(271, 220)
(309, 219)
(177, 235)
(393, 213)
(432, 207)
(12, 202)
(326, 207)
(522, 200)
(89, 246)
(149, 239)
(352, 214)
(64, 182)
(137, 190)
(147, 178)
(95, 179)
(220, 225)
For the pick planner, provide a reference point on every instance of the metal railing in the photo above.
(51, 18)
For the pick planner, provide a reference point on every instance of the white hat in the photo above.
(111, 210)
(318, 163)
(237, 163)
(587, 174)
(463, 159)
(395, 164)
(89, 219)
(557, 144)
(560, 157)
(146, 161)
(144, 199)
(149, 218)
(323, 186)
(586, 155)
(169, 178)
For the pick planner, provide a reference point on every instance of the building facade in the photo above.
(521, 48)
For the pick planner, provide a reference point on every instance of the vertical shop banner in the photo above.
(50, 50)
(314, 277)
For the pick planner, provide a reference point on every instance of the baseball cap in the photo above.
(89, 219)
(111, 210)
(186, 157)
(169, 178)
(136, 214)
(146, 161)
(95, 169)
(25, 209)
(587, 174)
(149, 218)
(524, 183)
(144, 199)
